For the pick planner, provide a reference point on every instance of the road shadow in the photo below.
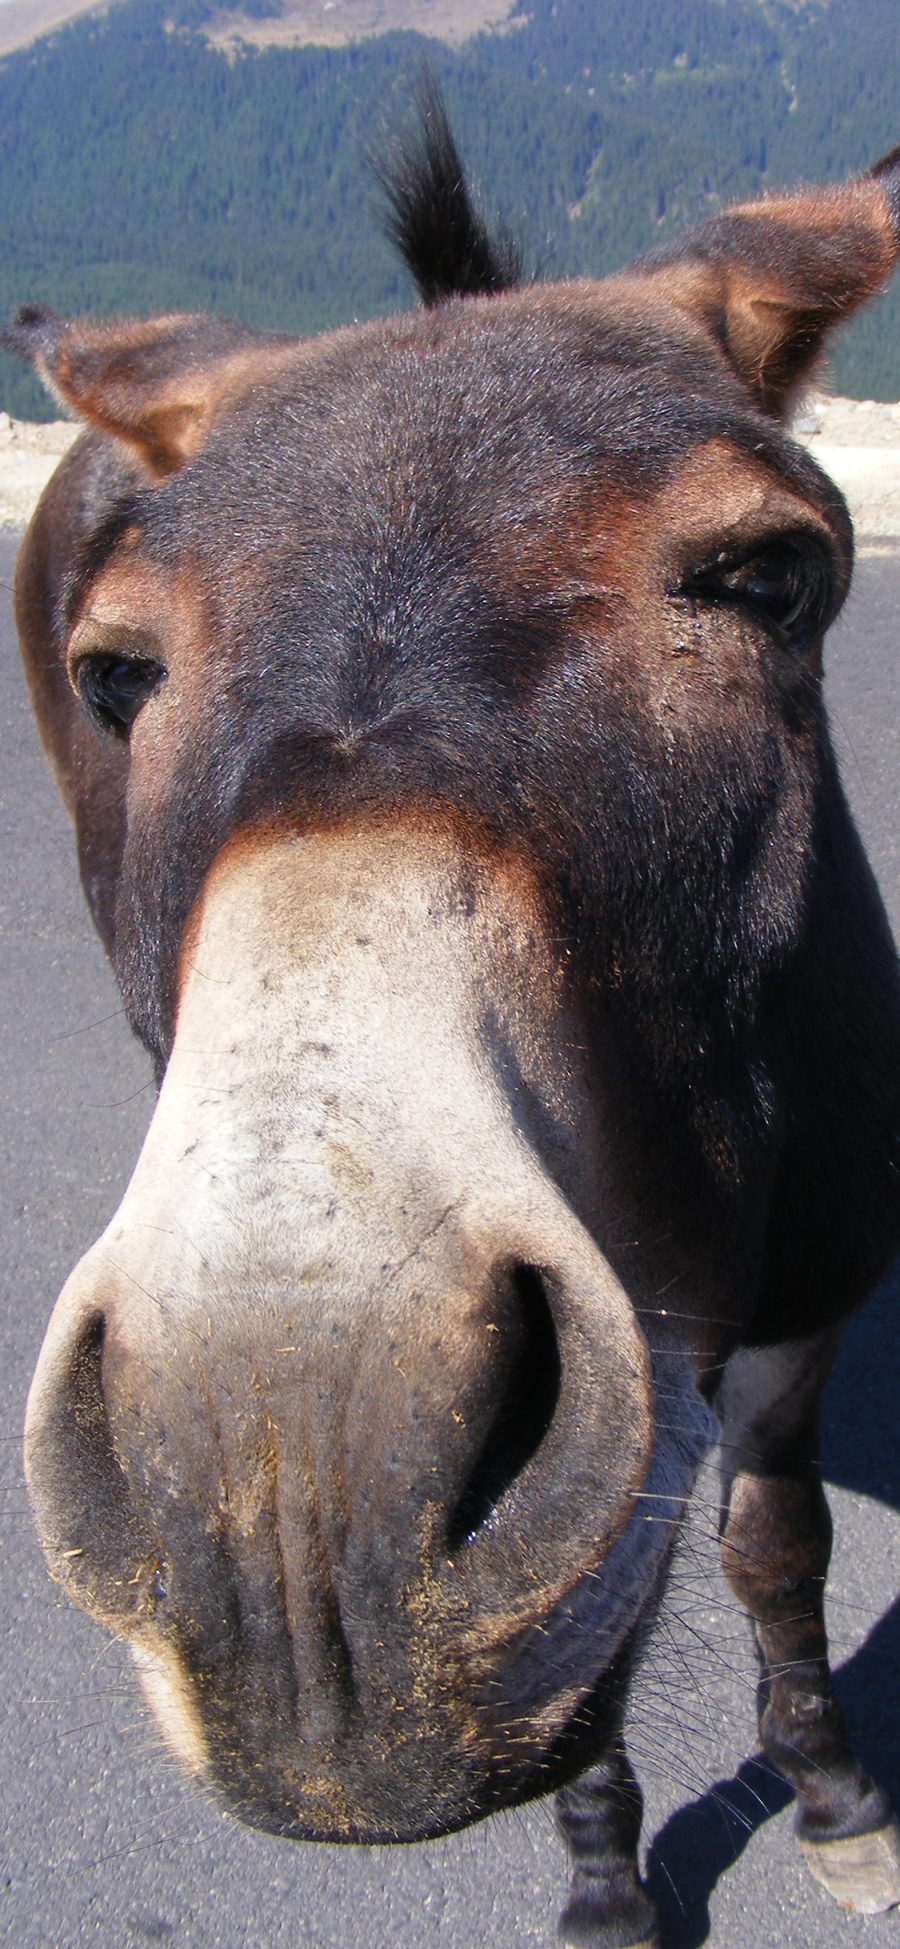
(861, 1427)
(702, 1841)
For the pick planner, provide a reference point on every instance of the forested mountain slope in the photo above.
(141, 169)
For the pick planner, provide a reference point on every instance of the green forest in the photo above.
(141, 170)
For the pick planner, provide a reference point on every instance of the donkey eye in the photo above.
(788, 586)
(114, 688)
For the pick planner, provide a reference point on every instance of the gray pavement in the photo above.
(104, 1843)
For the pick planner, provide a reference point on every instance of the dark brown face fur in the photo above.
(452, 559)
(514, 609)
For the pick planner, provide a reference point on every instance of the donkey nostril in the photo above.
(79, 1489)
(83, 1403)
(526, 1403)
(81, 1431)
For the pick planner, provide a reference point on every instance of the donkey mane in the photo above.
(433, 218)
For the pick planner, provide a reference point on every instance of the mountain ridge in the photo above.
(23, 22)
(278, 23)
(141, 170)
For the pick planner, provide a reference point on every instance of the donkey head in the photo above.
(437, 703)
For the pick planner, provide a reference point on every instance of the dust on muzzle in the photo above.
(345, 1420)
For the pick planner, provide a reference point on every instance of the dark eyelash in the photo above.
(788, 585)
(114, 689)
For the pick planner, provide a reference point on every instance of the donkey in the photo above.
(438, 706)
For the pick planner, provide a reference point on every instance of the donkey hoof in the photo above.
(589, 1924)
(861, 1872)
(588, 1932)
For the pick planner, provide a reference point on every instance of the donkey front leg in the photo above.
(776, 1545)
(599, 1818)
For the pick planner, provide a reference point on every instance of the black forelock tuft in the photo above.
(432, 217)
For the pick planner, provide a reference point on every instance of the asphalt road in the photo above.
(105, 1844)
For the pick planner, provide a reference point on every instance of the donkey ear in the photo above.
(771, 279)
(157, 384)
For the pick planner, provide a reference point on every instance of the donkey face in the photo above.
(438, 708)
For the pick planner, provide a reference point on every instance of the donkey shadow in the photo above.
(861, 1452)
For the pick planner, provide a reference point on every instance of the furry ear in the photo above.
(771, 279)
(156, 384)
